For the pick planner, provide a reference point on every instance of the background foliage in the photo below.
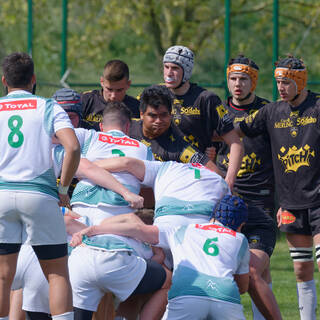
(139, 31)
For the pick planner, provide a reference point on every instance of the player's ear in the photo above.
(101, 126)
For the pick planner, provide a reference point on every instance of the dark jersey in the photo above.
(93, 105)
(255, 179)
(295, 143)
(169, 146)
(199, 113)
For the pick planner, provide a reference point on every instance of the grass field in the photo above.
(284, 284)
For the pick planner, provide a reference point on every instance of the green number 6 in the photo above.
(210, 247)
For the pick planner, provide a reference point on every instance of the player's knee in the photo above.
(303, 263)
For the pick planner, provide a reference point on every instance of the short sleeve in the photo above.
(243, 257)
(151, 171)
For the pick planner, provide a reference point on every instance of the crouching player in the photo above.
(211, 260)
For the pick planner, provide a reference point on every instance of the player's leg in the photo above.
(301, 252)
(16, 311)
(105, 309)
(8, 262)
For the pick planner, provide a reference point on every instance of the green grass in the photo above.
(283, 283)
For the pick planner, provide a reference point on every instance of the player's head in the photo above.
(116, 115)
(18, 71)
(231, 212)
(291, 76)
(242, 76)
(70, 101)
(177, 66)
(155, 110)
(115, 80)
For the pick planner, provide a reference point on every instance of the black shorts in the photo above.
(260, 230)
(303, 221)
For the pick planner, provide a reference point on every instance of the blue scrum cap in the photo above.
(231, 212)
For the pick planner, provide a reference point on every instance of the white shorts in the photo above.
(97, 214)
(36, 213)
(93, 272)
(177, 220)
(195, 307)
(31, 279)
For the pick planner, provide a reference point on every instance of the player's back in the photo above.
(28, 123)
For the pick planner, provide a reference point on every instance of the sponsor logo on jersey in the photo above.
(216, 228)
(287, 217)
(94, 117)
(123, 141)
(296, 158)
(300, 121)
(18, 105)
(191, 111)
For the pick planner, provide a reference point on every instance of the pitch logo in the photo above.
(18, 105)
(296, 158)
(248, 165)
(123, 141)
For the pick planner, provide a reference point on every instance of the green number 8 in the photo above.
(211, 248)
(15, 124)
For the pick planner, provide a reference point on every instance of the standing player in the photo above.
(211, 260)
(292, 126)
(115, 83)
(254, 183)
(28, 184)
(197, 112)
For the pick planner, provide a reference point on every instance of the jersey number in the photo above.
(15, 138)
(210, 247)
(196, 173)
(119, 152)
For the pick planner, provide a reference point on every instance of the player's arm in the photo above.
(105, 179)
(236, 154)
(71, 160)
(242, 281)
(119, 164)
(128, 225)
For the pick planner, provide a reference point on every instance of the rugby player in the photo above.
(28, 183)
(254, 183)
(292, 126)
(211, 260)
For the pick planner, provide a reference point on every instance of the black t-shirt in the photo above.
(295, 143)
(255, 179)
(93, 105)
(199, 113)
(170, 146)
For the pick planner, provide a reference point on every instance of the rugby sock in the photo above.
(256, 313)
(64, 316)
(307, 299)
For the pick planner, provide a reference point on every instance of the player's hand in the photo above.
(77, 236)
(230, 183)
(64, 200)
(135, 201)
(279, 218)
(211, 153)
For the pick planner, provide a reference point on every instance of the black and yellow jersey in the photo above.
(93, 105)
(255, 179)
(294, 134)
(198, 114)
(170, 146)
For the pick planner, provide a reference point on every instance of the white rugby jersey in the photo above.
(28, 123)
(184, 188)
(104, 145)
(205, 257)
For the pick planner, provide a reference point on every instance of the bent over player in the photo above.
(28, 184)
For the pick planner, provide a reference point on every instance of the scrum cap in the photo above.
(231, 212)
(183, 57)
(69, 100)
(241, 64)
(294, 69)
